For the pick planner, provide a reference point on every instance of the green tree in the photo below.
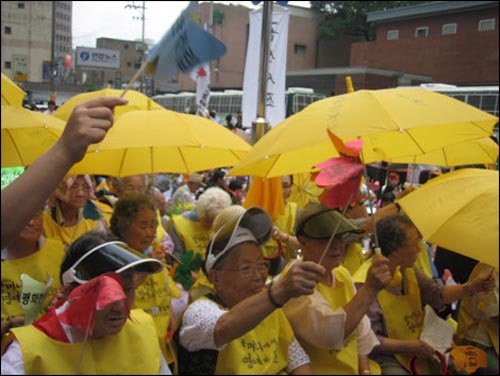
(348, 18)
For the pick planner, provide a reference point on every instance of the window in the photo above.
(129, 65)
(392, 34)
(7, 30)
(20, 5)
(299, 49)
(125, 46)
(422, 32)
(449, 29)
(137, 65)
(485, 25)
(7, 65)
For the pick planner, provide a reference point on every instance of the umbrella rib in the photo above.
(415, 141)
(478, 126)
(272, 165)
(152, 161)
(122, 162)
(15, 146)
(184, 160)
(445, 156)
(485, 150)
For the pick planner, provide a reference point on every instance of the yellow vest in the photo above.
(46, 260)
(466, 321)
(51, 229)
(261, 351)
(160, 231)
(353, 257)
(359, 275)
(286, 223)
(154, 297)
(423, 262)
(131, 351)
(331, 362)
(194, 236)
(404, 315)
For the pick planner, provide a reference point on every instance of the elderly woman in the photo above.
(61, 341)
(32, 254)
(191, 230)
(397, 314)
(134, 222)
(331, 325)
(240, 328)
(64, 219)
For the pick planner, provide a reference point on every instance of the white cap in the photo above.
(250, 225)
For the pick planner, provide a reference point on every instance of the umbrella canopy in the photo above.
(304, 189)
(162, 141)
(481, 151)
(12, 94)
(458, 211)
(26, 135)
(391, 122)
(136, 101)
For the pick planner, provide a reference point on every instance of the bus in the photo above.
(230, 101)
(483, 97)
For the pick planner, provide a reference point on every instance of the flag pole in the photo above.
(136, 76)
(260, 125)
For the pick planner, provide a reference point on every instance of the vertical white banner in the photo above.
(276, 71)
(201, 75)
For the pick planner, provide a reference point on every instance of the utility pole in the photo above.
(143, 18)
(53, 54)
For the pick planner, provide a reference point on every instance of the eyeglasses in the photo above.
(76, 188)
(248, 270)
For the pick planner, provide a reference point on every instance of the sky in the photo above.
(96, 19)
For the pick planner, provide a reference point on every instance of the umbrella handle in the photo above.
(372, 217)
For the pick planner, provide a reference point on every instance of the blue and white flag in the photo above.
(184, 46)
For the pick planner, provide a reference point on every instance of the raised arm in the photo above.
(88, 124)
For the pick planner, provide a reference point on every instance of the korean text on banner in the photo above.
(184, 46)
(275, 93)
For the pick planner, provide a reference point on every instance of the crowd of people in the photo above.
(174, 275)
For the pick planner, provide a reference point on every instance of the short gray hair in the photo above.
(212, 202)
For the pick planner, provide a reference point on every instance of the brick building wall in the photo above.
(469, 57)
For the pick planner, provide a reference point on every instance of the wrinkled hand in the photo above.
(159, 253)
(421, 349)
(484, 282)
(301, 279)
(14, 322)
(276, 233)
(88, 124)
(379, 274)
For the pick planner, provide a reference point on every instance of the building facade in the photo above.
(28, 46)
(453, 42)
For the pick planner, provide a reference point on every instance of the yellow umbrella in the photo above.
(12, 94)
(26, 135)
(391, 122)
(304, 189)
(162, 141)
(458, 211)
(481, 151)
(136, 101)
